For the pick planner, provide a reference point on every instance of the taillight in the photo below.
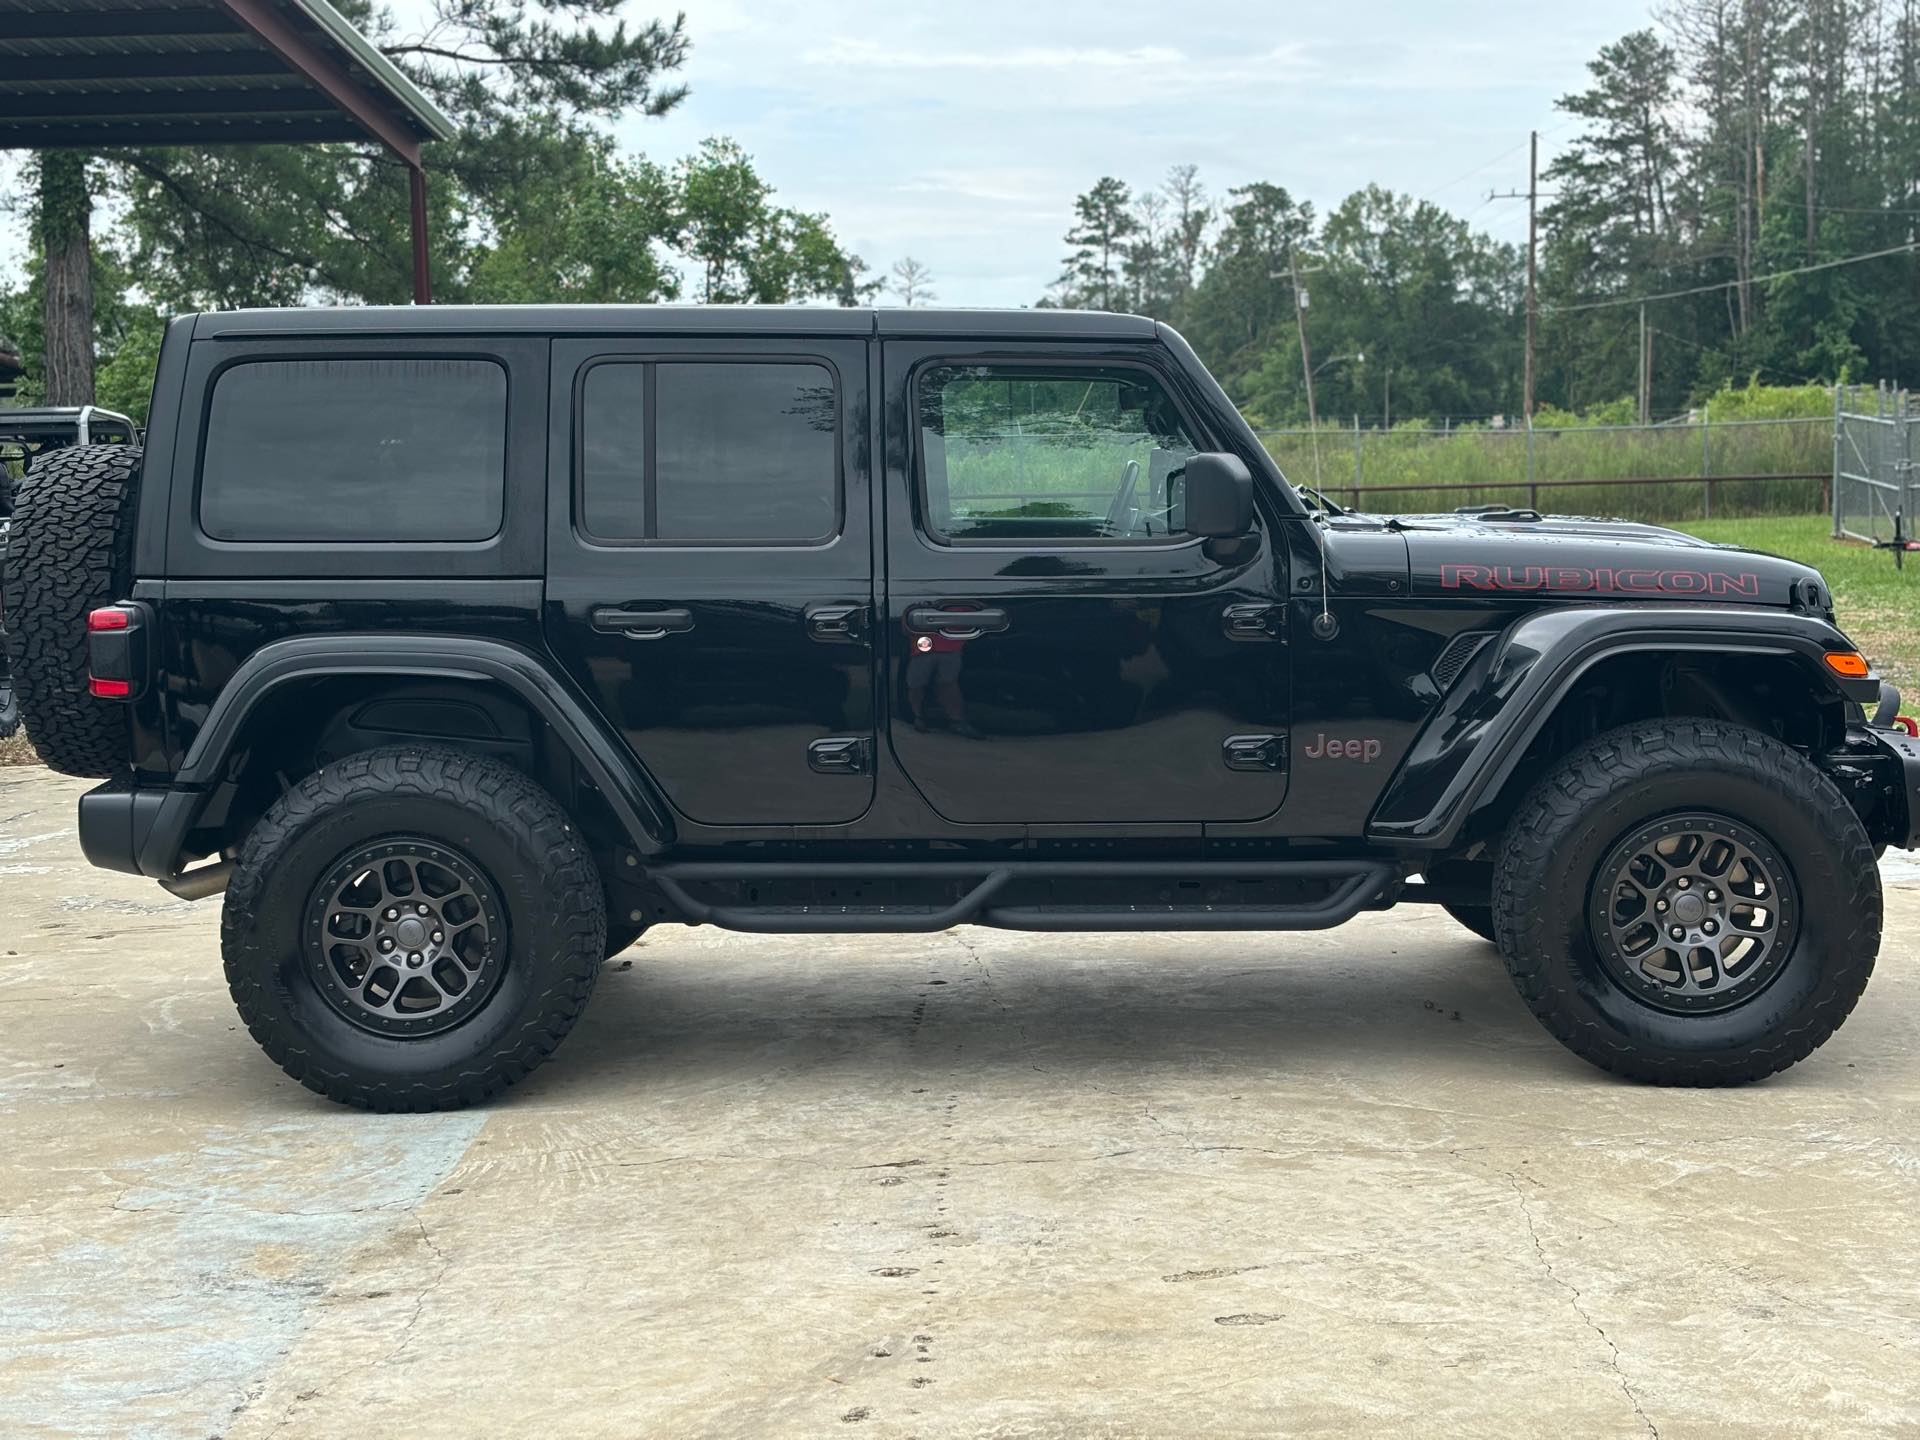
(117, 650)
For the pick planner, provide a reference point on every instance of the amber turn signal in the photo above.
(1850, 663)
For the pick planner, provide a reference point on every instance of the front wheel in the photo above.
(1688, 902)
(412, 929)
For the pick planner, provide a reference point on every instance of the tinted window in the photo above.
(1020, 453)
(738, 452)
(356, 450)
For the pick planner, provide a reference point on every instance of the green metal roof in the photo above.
(104, 73)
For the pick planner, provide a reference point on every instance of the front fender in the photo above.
(1474, 739)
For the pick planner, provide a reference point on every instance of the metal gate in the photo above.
(1876, 440)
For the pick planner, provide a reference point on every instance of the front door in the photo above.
(1060, 651)
(709, 569)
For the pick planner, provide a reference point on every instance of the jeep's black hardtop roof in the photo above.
(673, 320)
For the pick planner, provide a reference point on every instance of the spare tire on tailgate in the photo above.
(70, 551)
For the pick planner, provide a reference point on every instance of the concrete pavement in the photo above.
(958, 1185)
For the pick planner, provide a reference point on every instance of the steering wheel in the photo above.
(1123, 512)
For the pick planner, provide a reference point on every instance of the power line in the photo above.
(1906, 249)
(1489, 164)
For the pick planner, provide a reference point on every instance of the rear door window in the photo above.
(710, 452)
(360, 451)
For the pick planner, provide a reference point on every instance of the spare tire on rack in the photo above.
(70, 551)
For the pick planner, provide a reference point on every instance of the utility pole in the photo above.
(1300, 322)
(1646, 355)
(1532, 196)
(1533, 250)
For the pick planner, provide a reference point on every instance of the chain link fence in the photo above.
(1876, 444)
(1689, 469)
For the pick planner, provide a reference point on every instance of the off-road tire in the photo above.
(1564, 829)
(1477, 918)
(518, 837)
(70, 551)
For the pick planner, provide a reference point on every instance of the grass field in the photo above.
(1394, 468)
(1878, 606)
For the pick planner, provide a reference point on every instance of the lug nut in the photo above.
(1661, 906)
(420, 909)
(438, 937)
(1683, 882)
(413, 960)
(1712, 927)
(392, 914)
(386, 942)
(1713, 895)
(1677, 933)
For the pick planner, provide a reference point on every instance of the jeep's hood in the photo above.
(1588, 558)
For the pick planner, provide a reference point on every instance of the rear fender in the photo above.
(602, 759)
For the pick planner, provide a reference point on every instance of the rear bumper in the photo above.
(136, 829)
(116, 822)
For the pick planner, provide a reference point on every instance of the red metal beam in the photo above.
(422, 281)
(326, 74)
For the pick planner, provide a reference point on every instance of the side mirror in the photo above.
(1219, 497)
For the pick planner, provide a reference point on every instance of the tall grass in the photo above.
(1493, 467)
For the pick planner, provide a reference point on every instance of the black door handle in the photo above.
(954, 624)
(641, 624)
(837, 624)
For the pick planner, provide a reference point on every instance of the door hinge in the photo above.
(840, 755)
(1256, 620)
(1254, 752)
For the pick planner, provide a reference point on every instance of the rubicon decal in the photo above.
(1576, 579)
(1326, 747)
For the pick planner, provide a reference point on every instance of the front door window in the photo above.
(1026, 454)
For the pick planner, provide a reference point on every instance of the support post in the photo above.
(1356, 462)
(422, 280)
(1706, 463)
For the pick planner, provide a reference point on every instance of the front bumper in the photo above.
(1907, 749)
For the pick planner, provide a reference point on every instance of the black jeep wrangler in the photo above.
(459, 646)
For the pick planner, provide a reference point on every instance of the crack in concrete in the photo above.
(1580, 1309)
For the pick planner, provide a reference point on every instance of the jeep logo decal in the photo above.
(1325, 747)
(1576, 578)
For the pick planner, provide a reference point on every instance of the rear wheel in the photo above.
(69, 551)
(1689, 903)
(412, 929)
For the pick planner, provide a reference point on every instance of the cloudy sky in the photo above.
(960, 134)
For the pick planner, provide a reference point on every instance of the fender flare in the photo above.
(1474, 739)
(639, 808)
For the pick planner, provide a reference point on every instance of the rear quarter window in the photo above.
(361, 451)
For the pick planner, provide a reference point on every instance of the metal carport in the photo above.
(99, 74)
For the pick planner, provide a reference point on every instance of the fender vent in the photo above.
(1451, 661)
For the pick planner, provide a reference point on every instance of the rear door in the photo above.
(1061, 651)
(710, 575)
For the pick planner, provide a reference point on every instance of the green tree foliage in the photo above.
(1104, 222)
(530, 201)
(1732, 142)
